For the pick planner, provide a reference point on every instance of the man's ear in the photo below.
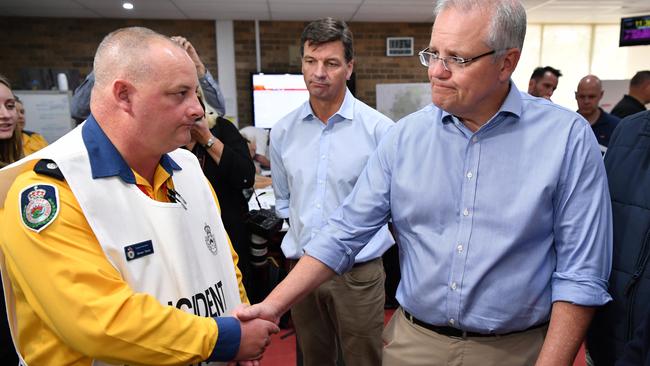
(350, 69)
(509, 63)
(123, 94)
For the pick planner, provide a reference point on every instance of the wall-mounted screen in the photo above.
(275, 95)
(635, 31)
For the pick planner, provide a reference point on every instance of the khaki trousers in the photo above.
(349, 308)
(408, 344)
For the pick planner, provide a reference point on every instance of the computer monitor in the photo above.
(275, 95)
(635, 31)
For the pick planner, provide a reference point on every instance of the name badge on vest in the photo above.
(138, 250)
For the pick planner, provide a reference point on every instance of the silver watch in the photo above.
(209, 143)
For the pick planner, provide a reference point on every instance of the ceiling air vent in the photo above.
(399, 46)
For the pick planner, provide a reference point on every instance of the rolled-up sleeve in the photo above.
(583, 224)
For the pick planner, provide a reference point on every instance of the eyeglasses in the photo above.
(450, 63)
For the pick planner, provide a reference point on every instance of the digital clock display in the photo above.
(635, 31)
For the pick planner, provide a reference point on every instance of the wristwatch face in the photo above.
(209, 143)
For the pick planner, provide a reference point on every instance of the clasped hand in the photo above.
(256, 330)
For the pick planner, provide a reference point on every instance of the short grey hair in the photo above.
(120, 54)
(507, 26)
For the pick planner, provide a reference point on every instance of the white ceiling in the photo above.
(539, 11)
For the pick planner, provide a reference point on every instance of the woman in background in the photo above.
(11, 148)
(32, 141)
(223, 155)
(10, 151)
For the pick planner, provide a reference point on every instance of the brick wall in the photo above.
(276, 39)
(279, 41)
(71, 43)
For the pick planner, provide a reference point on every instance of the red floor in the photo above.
(282, 351)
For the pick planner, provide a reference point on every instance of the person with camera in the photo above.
(317, 153)
(223, 155)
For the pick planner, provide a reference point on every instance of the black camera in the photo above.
(263, 223)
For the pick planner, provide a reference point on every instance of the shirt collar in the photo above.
(511, 105)
(346, 111)
(106, 161)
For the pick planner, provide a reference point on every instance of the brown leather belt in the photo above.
(458, 333)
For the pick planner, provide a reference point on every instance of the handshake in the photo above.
(258, 323)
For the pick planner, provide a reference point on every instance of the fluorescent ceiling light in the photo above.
(127, 6)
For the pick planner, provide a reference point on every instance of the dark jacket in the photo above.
(234, 173)
(627, 162)
(627, 106)
(637, 351)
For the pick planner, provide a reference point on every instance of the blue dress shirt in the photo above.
(315, 166)
(492, 226)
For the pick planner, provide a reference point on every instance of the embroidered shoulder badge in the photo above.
(39, 206)
(210, 240)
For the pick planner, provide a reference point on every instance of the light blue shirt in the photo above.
(315, 166)
(492, 226)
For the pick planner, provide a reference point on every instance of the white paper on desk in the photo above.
(266, 199)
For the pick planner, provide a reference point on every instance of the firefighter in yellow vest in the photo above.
(114, 250)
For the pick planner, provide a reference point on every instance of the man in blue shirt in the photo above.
(500, 205)
(317, 153)
(588, 95)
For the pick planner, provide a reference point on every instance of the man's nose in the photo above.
(320, 70)
(437, 70)
(196, 111)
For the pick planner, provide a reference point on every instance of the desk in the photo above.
(262, 181)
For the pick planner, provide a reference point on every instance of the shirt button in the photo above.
(452, 321)
(469, 175)
(475, 139)
(318, 205)
(322, 157)
(465, 212)
(459, 248)
(454, 286)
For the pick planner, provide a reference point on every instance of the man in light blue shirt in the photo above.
(317, 153)
(500, 205)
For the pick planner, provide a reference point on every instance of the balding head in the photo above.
(144, 96)
(588, 95)
(123, 54)
(590, 81)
